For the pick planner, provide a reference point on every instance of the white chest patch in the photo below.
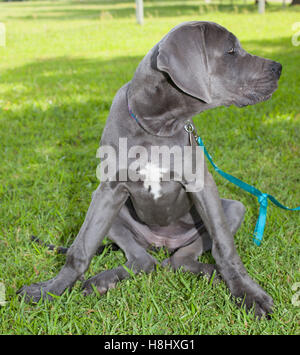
(152, 178)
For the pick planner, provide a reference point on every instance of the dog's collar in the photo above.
(137, 120)
(133, 116)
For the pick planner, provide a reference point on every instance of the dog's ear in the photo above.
(182, 54)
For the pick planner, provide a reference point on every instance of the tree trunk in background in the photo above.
(139, 11)
(295, 2)
(261, 6)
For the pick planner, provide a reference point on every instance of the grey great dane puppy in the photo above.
(195, 67)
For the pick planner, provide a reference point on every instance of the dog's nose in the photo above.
(276, 69)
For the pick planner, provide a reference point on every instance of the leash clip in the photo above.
(191, 130)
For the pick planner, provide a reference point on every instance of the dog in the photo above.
(197, 66)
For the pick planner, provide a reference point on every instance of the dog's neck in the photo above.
(160, 106)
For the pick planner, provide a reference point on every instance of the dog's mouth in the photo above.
(252, 99)
(252, 96)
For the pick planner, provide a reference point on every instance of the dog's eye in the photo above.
(231, 51)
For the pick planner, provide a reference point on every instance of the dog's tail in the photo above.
(63, 250)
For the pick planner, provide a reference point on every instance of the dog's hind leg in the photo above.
(137, 260)
(187, 257)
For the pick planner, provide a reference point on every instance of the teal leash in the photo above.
(262, 197)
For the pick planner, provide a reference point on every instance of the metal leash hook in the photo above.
(189, 127)
(191, 130)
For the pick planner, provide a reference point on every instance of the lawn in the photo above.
(61, 67)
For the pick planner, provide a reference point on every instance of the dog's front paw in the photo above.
(249, 294)
(46, 290)
(36, 291)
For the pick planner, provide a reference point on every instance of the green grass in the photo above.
(63, 63)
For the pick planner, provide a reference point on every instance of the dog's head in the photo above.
(207, 62)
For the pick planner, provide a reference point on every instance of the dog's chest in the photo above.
(156, 201)
(152, 176)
